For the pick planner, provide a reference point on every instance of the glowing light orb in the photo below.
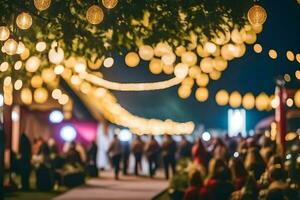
(108, 62)
(24, 21)
(206, 136)
(56, 116)
(4, 33)
(125, 135)
(68, 133)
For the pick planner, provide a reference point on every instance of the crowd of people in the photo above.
(50, 165)
(241, 169)
(225, 168)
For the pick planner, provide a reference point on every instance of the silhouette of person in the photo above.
(25, 149)
(137, 147)
(169, 148)
(152, 151)
(115, 152)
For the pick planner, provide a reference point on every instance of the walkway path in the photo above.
(127, 188)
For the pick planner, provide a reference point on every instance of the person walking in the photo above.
(115, 152)
(169, 148)
(137, 150)
(152, 150)
(184, 148)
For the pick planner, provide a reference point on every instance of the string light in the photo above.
(115, 113)
(131, 86)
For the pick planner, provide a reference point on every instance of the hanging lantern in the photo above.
(24, 21)
(48, 75)
(168, 59)
(42, 5)
(202, 51)
(25, 54)
(188, 81)
(202, 79)
(215, 75)
(220, 64)
(168, 69)
(108, 62)
(184, 91)
(32, 64)
(40, 95)
(180, 50)
(189, 58)
(222, 97)
(162, 48)
(297, 98)
(207, 65)
(11, 47)
(249, 37)
(94, 15)
(146, 52)
(248, 101)
(210, 47)
(262, 102)
(132, 59)
(155, 66)
(201, 94)
(235, 99)
(236, 36)
(226, 52)
(194, 71)
(56, 55)
(4, 33)
(36, 81)
(109, 4)
(26, 96)
(181, 70)
(257, 15)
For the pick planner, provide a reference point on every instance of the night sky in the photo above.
(251, 73)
